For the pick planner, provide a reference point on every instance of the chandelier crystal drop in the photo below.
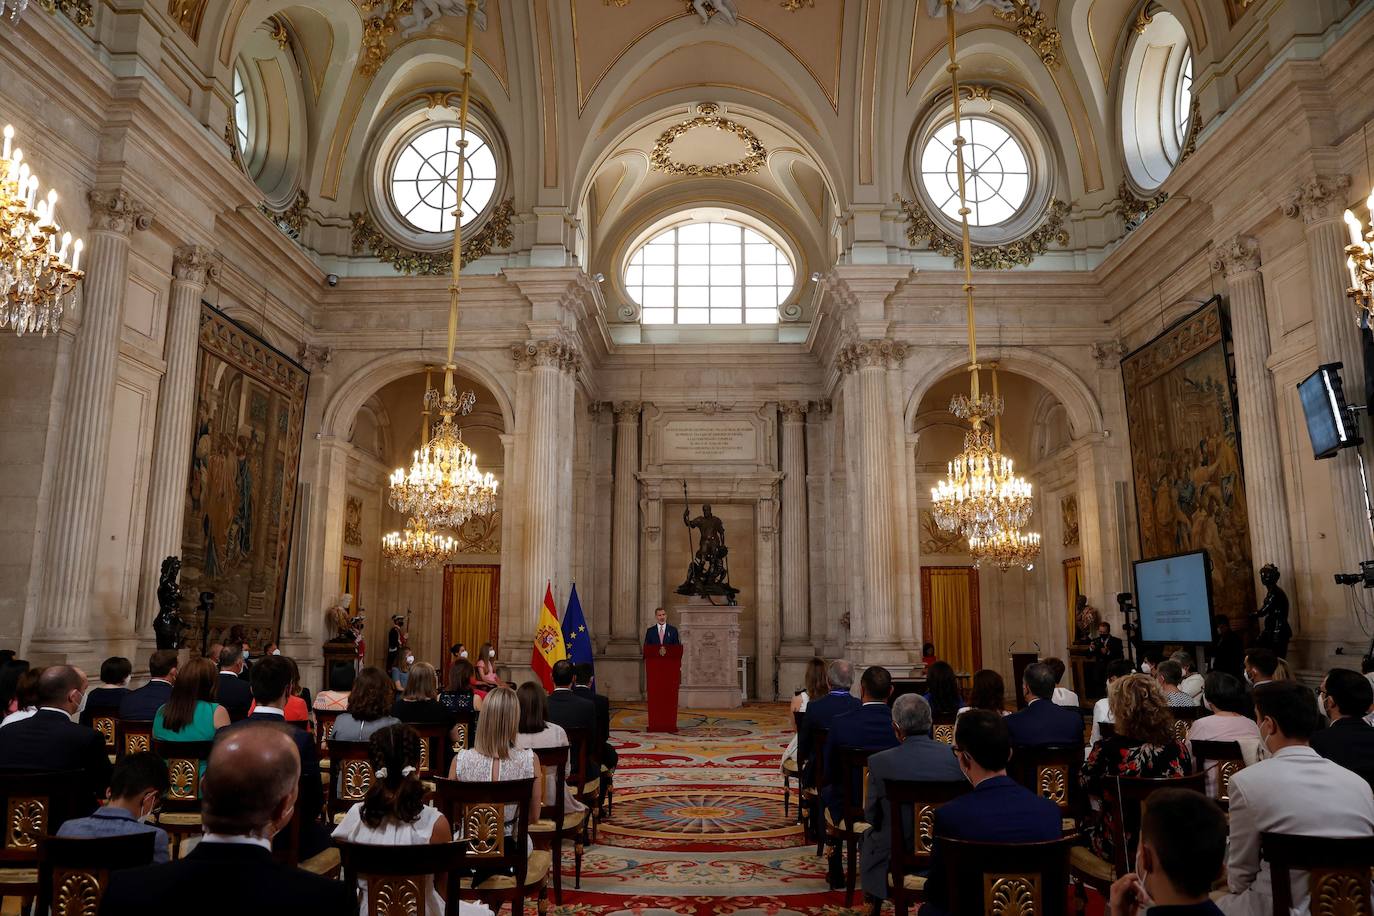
(12, 9)
(36, 280)
(1006, 549)
(1360, 260)
(417, 547)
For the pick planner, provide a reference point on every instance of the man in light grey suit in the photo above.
(917, 757)
(1295, 791)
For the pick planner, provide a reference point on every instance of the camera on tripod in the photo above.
(1364, 577)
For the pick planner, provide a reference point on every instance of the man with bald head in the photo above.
(51, 740)
(248, 795)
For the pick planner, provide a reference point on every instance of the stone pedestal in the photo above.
(710, 642)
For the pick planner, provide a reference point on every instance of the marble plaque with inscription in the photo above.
(709, 440)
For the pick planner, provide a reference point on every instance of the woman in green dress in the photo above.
(191, 713)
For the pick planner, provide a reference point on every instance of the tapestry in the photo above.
(353, 522)
(1185, 454)
(241, 500)
(1068, 513)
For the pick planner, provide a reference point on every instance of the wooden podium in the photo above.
(662, 675)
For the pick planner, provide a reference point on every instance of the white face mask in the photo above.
(276, 651)
(492, 653)
(1147, 668)
(410, 659)
(463, 654)
(245, 655)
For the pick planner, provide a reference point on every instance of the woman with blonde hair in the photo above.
(419, 704)
(1143, 746)
(494, 756)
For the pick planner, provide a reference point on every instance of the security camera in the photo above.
(331, 279)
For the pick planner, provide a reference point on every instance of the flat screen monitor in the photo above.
(1174, 595)
(1323, 403)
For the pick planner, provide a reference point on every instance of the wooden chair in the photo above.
(1228, 759)
(434, 750)
(1184, 717)
(942, 728)
(287, 851)
(105, 721)
(34, 806)
(180, 814)
(1106, 729)
(811, 793)
(1007, 879)
(911, 808)
(1052, 772)
(132, 736)
(851, 784)
(396, 875)
(791, 773)
(1339, 872)
(585, 773)
(556, 823)
(349, 779)
(476, 810)
(463, 731)
(75, 872)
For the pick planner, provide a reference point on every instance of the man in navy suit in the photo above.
(998, 810)
(662, 633)
(142, 704)
(918, 757)
(1042, 722)
(233, 692)
(821, 712)
(869, 726)
(49, 740)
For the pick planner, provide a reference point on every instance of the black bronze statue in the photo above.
(709, 574)
(169, 626)
(1274, 612)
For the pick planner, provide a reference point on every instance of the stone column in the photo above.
(1262, 453)
(172, 439)
(625, 529)
(1320, 201)
(796, 646)
(62, 631)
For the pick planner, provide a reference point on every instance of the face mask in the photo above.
(276, 651)
(80, 707)
(492, 653)
(410, 659)
(1247, 678)
(245, 656)
(463, 654)
(1147, 668)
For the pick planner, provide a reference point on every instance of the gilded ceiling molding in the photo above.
(188, 15)
(793, 5)
(1194, 128)
(78, 11)
(661, 159)
(1132, 209)
(1032, 28)
(279, 33)
(292, 219)
(379, 24)
(368, 239)
(921, 228)
(1144, 18)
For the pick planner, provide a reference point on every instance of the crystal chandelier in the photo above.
(1360, 260)
(417, 547)
(1005, 549)
(36, 282)
(11, 9)
(982, 495)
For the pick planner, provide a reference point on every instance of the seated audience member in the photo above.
(419, 704)
(988, 691)
(1192, 683)
(297, 704)
(369, 707)
(928, 656)
(821, 711)
(1226, 698)
(1169, 674)
(135, 792)
(1367, 668)
(1143, 746)
(567, 708)
(394, 812)
(191, 713)
(50, 740)
(142, 704)
(1260, 665)
(249, 796)
(25, 701)
(271, 686)
(494, 756)
(942, 690)
(455, 652)
(918, 757)
(1102, 710)
(233, 692)
(869, 726)
(400, 672)
(998, 810)
(1349, 740)
(1282, 672)
(1062, 696)
(460, 697)
(1295, 791)
(535, 731)
(815, 687)
(582, 686)
(487, 676)
(1228, 652)
(1181, 851)
(1043, 722)
(114, 685)
(9, 682)
(335, 699)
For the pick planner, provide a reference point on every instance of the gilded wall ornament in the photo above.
(292, 219)
(1032, 28)
(1132, 209)
(279, 33)
(480, 534)
(920, 227)
(1144, 18)
(379, 24)
(187, 14)
(710, 9)
(78, 11)
(1194, 128)
(495, 234)
(793, 5)
(661, 159)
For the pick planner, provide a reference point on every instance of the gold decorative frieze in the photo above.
(1032, 27)
(78, 11)
(1194, 128)
(1132, 209)
(379, 24)
(921, 228)
(187, 14)
(661, 159)
(367, 238)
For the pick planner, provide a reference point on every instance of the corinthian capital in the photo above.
(194, 264)
(1236, 256)
(794, 411)
(551, 353)
(314, 357)
(117, 211)
(878, 354)
(1318, 199)
(627, 411)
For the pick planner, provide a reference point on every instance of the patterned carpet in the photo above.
(698, 825)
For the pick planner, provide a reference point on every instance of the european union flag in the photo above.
(575, 635)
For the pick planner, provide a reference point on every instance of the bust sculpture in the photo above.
(708, 575)
(169, 626)
(1276, 630)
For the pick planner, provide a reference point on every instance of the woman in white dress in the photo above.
(536, 732)
(394, 812)
(816, 686)
(494, 756)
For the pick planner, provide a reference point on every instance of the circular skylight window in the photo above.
(424, 178)
(996, 172)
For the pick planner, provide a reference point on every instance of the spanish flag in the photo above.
(548, 641)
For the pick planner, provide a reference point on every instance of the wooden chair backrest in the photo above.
(1228, 758)
(942, 727)
(1184, 717)
(477, 812)
(133, 736)
(105, 722)
(585, 754)
(350, 774)
(395, 875)
(1338, 871)
(851, 776)
(464, 731)
(434, 754)
(183, 759)
(797, 718)
(554, 760)
(911, 852)
(1051, 772)
(75, 872)
(1131, 794)
(34, 806)
(1007, 879)
(324, 730)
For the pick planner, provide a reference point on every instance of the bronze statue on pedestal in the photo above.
(1274, 612)
(708, 575)
(169, 626)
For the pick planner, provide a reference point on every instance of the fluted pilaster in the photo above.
(625, 525)
(78, 483)
(1239, 260)
(796, 583)
(176, 406)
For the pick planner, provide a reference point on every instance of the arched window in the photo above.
(242, 118)
(1156, 100)
(996, 171)
(709, 272)
(423, 182)
(1183, 99)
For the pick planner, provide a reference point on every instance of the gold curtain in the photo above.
(470, 593)
(1073, 587)
(350, 579)
(951, 613)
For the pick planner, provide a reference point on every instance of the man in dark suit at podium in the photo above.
(662, 633)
